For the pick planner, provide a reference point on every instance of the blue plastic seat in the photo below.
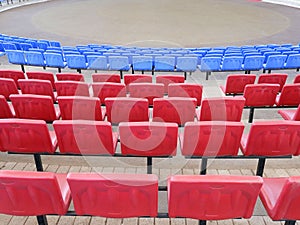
(35, 58)
(55, 44)
(253, 62)
(97, 62)
(76, 62)
(16, 57)
(55, 60)
(164, 63)
(42, 45)
(120, 63)
(186, 64)
(9, 46)
(293, 62)
(274, 62)
(142, 63)
(25, 46)
(232, 63)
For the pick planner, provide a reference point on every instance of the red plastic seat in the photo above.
(114, 195)
(290, 114)
(281, 197)
(168, 79)
(146, 90)
(174, 109)
(273, 78)
(125, 109)
(211, 138)
(235, 83)
(13, 74)
(297, 79)
(38, 107)
(136, 78)
(6, 110)
(290, 95)
(212, 197)
(70, 77)
(114, 78)
(26, 136)
(72, 88)
(222, 109)
(81, 108)
(272, 138)
(148, 138)
(260, 94)
(108, 89)
(42, 76)
(8, 87)
(37, 87)
(186, 90)
(25, 193)
(85, 137)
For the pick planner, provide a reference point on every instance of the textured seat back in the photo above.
(149, 91)
(274, 78)
(108, 89)
(235, 83)
(290, 95)
(186, 90)
(72, 88)
(8, 87)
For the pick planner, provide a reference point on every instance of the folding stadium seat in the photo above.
(55, 60)
(69, 77)
(72, 88)
(119, 63)
(272, 138)
(77, 62)
(34, 58)
(280, 197)
(115, 78)
(232, 63)
(253, 62)
(37, 87)
(16, 57)
(142, 63)
(174, 109)
(97, 62)
(297, 79)
(13, 74)
(6, 110)
(8, 87)
(212, 197)
(81, 108)
(210, 64)
(149, 91)
(187, 63)
(42, 76)
(211, 138)
(148, 138)
(168, 79)
(222, 109)
(273, 78)
(38, 107)
(103, 90)
(235, 83)
(72, 136)
(274, 62)
(186, 90)
(164, 63)
(124, 109)
(290, 114)
(27, 193)
(136, 78)
(289, 96)
(29, 136)
(114, 195)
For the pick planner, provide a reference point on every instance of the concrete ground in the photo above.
(154, 23)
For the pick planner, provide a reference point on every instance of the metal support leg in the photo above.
(184, 75)
(143, 71)
(207, 74)
(38, 162)
(202, 222)
(121, 74)
(59, 70)
(44, 67)
(79, 70)
(23, 68)
(251, 115)
(203, 166)
(264, 70)
(42, 220)
(149, 165)
(96, 71)
(269, 71)
(290, 222)
(297, 69)
(260, 167)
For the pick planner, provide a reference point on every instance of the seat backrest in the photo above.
(210, 63)
(231, 63)
(126, 109)
(70, 77)
(97, 62)
(212, 197)
(37, 87)
(261, 94)
(114, 195)
(118, 63)
(26, 136)
(146, 90)
(275, 62)
(274, 78)
(76, 61)
(142, 63)
(297, 79)
(253, 62)
(16, 57)
(72, 136)
(72, 88)
(290, 95)
(34, 58)
(80, 108)
(148, 138)
(5, 110)
(13, 74)
(187, 63)
(168, 79)
(235, 83)
(27, 193)
(273, 138)
(54, 60)
(114, 78)
(293, 61)
(39, 107)
(136, 78)
(42, 76)
(174, 109)
(186, 90)
(222, 109)
(8, 87)
(164, 63)
(211, 138)
(103, 90)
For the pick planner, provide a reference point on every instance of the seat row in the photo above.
(210, 197)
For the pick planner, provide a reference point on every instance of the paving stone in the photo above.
(5, 219)
(146, 221)
(82, 220)
(18, 220)
(98, 221)
(66, 220)
(177, 221)
(111, 221)
(225, 222)
(130, 221)
(162, 221)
